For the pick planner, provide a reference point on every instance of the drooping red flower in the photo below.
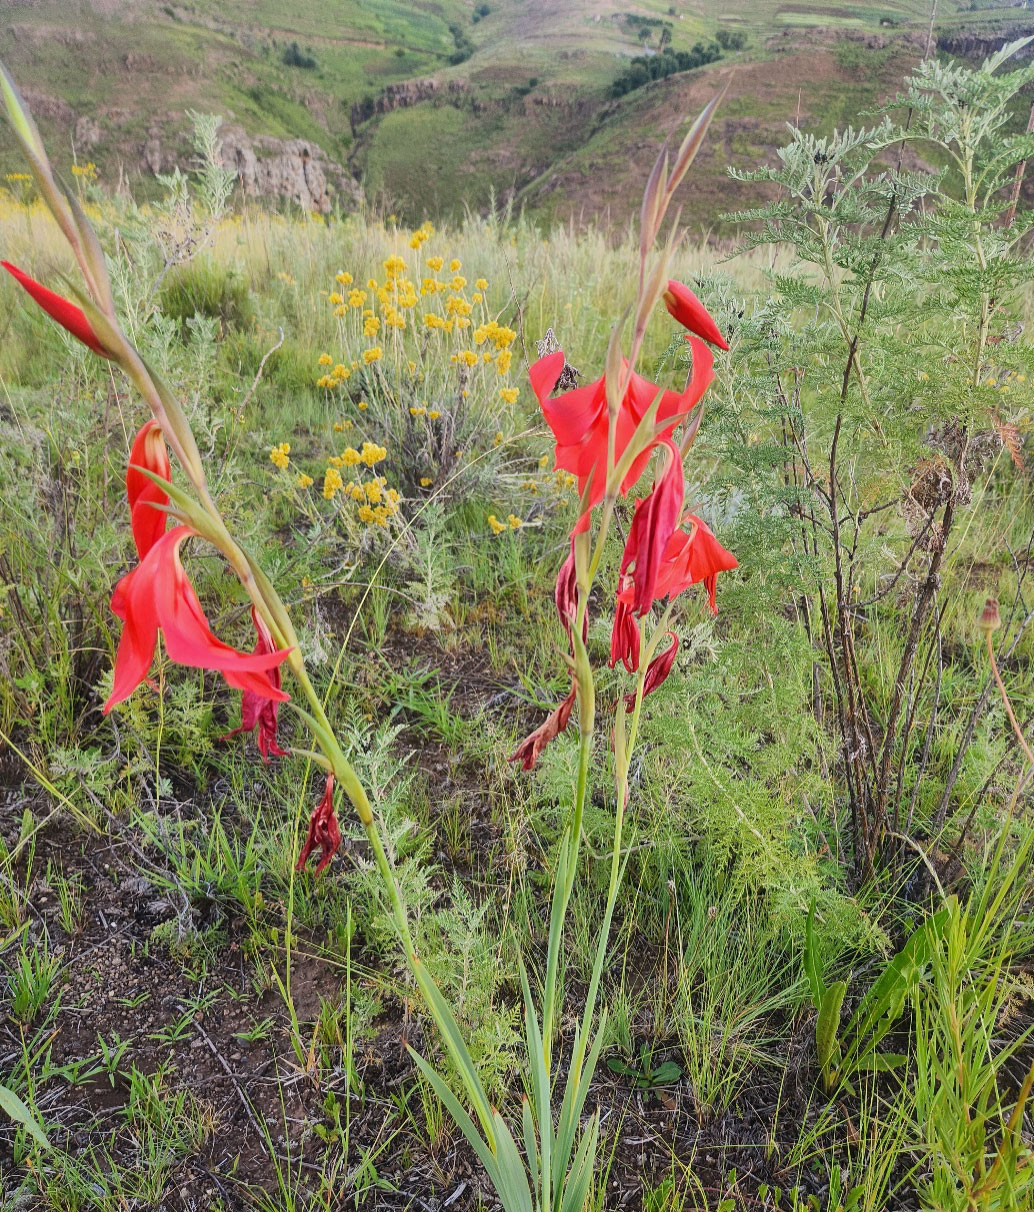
(624, 638)
(688, 560)
(158, 594)
(324, 831)
(149, 451)
(685, 307)
(70, 317)
(580, 419)
(529, 750)
(656, 672)
(566, 596)
(261, 710)
(656, 518)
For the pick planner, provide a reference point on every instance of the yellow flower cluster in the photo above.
(422, 234)
(513, 522)
(280, 455)
(87, 171)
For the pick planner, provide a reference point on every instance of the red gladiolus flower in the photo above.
(157, 594)
(685, 307)
(688, 560)
(566, 596)
(149, 451)
(624, 638)
(70, 317)
(529, 750)
(260, 709)
(656, 518)
(580, 420)
(656, 672)
(324, 831)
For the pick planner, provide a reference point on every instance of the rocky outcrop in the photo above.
(293, 169)
(405, 94)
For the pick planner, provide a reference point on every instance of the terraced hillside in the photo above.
(439, 105)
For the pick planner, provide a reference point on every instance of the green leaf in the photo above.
(13, 1106)
(812, 966)
(441, 1011)
(827, 1026)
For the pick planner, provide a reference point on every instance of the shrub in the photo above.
(205, 289)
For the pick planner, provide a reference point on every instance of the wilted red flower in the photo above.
(324, 831)
(688, 560)
(655, 520)
(624, 638)
(528, 751)
(149, 451)
(580, 421)
(656, 672)
(566, 595)
(70, 317)
(259, 709)
(158, 594)
(685, 307)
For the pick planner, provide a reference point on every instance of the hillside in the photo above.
(435, 106)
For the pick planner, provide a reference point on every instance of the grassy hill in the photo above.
(441, 105)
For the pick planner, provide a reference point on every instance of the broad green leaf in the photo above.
(827, 1026)
(13, 1106)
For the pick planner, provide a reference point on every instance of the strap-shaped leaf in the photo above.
(531, 1149)
(13, 1106)
(441, 1011)
(463, 1121)
(514, 1189)
(812, 964)
(827, 1026)
(541, 1089)
(576, 1192)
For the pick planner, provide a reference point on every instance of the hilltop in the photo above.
(436, 106)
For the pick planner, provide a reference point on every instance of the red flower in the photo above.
(656, 672)
(580, 421)
(527, 753)
(66, 314)
(656, 518)
(149, 523)
(324, 831)
(624, 638)
(689, 559)
(157, 594)
(683, 304)
(260, 709)
(566, 596)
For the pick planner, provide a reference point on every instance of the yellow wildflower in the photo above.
(481, 284)
(434, 415)
(304, 481)
(366, 514)
(515, 522)
(373, 355)
(331, 483)
(458, 283)
(435, 263)
(345, 278)
(362, 406)
(502, 363)
(279, 455)
(372, 453)
(497, 526)
(417, 412)
(498, 440)
(325, 359)
(426, 481)
(350, 457)
(510, 394)
(335, 298)
(455, 265)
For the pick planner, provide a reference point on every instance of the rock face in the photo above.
(405, 94)
(295, 169)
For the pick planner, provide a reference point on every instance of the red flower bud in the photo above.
(685, 307)
(70, 317)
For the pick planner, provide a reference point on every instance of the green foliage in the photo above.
(205, 289)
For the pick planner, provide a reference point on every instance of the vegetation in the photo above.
(795, 878)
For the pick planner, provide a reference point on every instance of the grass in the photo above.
(156, 938)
